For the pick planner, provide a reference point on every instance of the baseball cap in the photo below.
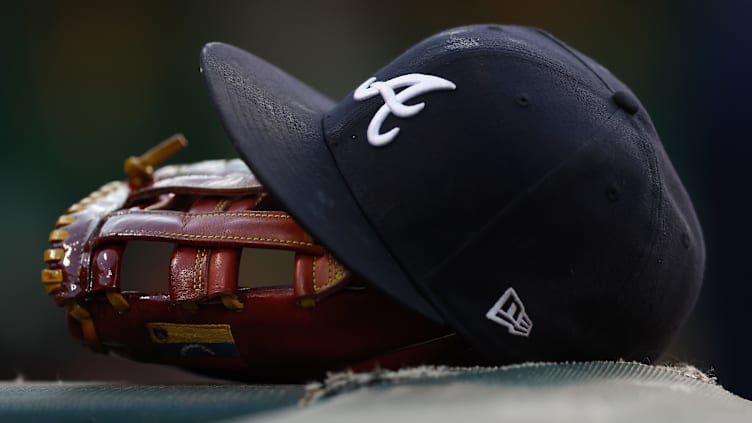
(490, 177)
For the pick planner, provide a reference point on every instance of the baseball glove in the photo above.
(203, 318)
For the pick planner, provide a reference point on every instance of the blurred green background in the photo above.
(86, 84)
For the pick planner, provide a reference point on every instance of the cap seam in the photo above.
(576, 56)
(379, 235)
(656, 188)
(450, 257)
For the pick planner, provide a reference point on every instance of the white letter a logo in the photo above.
(416, 84)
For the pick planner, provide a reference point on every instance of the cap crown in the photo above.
(490, 158)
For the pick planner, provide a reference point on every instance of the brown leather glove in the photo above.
(202, 320)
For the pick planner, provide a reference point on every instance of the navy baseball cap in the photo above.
(491, 177)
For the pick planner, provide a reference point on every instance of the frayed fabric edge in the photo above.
(339, 382)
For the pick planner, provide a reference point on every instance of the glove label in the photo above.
(186, 340)
(509, 311)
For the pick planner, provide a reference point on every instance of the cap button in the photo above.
(626, 101)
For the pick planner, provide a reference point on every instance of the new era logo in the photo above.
(510, 312)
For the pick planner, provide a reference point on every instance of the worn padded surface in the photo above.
(573, 392)
(114, 403)
(570, 392)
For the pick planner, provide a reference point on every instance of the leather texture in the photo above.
(325, 319)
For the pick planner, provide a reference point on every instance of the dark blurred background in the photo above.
(86, 84)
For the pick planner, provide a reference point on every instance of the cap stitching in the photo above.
(575, 55)
(656, 188)
(450, 257)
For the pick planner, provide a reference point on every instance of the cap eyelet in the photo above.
(612, 193)
(522, 100)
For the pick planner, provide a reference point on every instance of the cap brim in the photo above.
(275, 124)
